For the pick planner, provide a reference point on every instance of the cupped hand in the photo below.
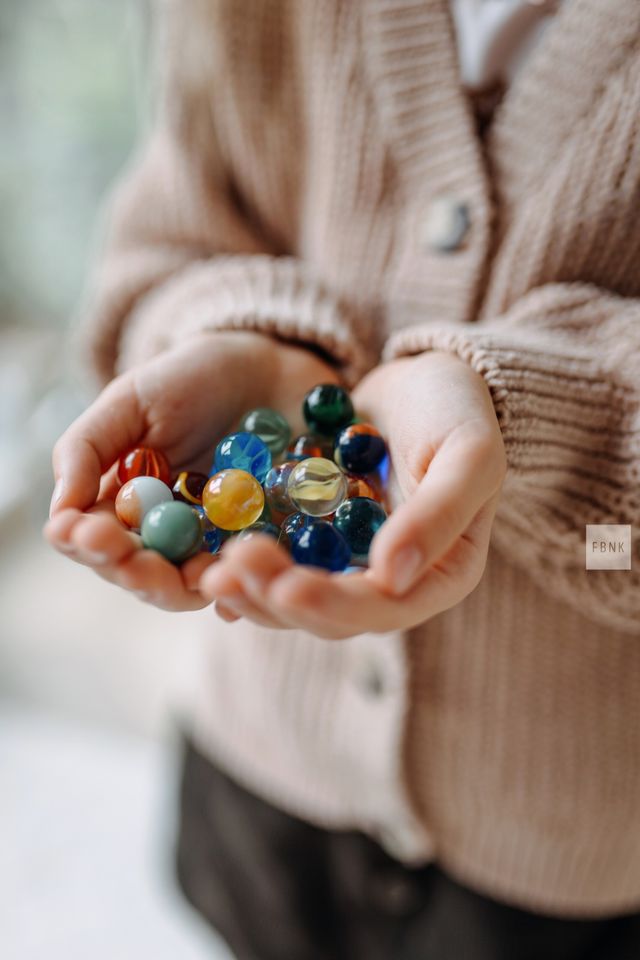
(448, 466)
(181, 402)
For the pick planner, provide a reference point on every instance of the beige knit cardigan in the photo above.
(297, 150)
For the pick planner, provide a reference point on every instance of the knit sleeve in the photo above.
(563, 367)
(181, 253)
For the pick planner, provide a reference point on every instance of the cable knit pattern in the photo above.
(295, 155)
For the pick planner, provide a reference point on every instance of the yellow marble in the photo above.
(233, 499)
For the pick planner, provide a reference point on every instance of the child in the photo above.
(440, 757)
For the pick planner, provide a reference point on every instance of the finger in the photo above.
(222, 584)
(58, 530)
(73, 532)
(155, 580)
(109, 485)
(345, 607)
(93, 442)
(463, 475)
(98, 539)
(225, 612)
(255, 563)
(341, 607)
(193, 569)
(303, 599)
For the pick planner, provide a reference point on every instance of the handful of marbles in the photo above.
(320, 495)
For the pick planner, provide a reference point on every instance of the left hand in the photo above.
(448, 466)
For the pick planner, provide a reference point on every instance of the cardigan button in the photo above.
(395, 893)
(445, 225)
(370, 679)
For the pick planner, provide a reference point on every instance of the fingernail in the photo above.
(56, 496)
(405, 569)
(142, 595)
(97, 558)
(256, 584)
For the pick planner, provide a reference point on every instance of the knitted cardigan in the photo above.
(297, 150)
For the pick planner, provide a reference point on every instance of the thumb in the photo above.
(460, 479)
(111, 425)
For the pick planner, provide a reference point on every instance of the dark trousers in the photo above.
(277, 888)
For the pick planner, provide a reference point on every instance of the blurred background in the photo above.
(91, 680)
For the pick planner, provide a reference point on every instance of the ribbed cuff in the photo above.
(559, 406)
(274, 296)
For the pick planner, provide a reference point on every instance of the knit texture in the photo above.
(295, 154)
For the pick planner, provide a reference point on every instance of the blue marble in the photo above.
(359, 449)
(321, 545)
(294, 524)
(243, 451)
(211, 535)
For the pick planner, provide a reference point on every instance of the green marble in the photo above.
(172, 529)
(270, 426)
(327, 408)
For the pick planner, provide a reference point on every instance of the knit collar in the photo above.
(587, 42)
(412, 53)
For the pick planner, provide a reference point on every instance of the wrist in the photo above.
(268, 370)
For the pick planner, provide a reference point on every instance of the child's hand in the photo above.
(449, 463)
(182, 402)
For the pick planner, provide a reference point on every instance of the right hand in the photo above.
(181, 402)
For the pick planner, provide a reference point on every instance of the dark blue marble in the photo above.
(321, 545)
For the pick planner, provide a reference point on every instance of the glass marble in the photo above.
(243, 451)
(172, 529)
(360, 448)
(359, 487)
(144, 462)
(327, 408)
(294, 524)
(189, 486)
(211, 536)
(261, 527)
(358, 521)
(309, 445)
(233, 499)
(321, 545)
(317, 486)
(137, 496)
(270, 426)
(275, 487)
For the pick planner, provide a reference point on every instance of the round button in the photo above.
(394, 893)
(445, 225)
(370, 679)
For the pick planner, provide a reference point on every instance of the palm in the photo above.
(185, 415)
(411, 404)
(181, 403)
(448, 463)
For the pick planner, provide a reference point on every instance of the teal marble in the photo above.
(172, 529)
(270, 426)
(358, 520)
